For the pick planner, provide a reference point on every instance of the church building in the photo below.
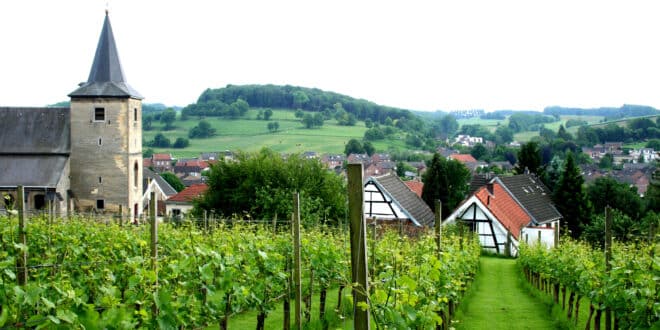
(85, 158)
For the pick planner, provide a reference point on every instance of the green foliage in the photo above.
(147, 153)
(202, 130)
(173, 180)
(369, 148)
(312, 121)
(262, 185)
(606, 191)
(374, 133)
(267, 114)
(575, 122)
(629, 289)
(181, 143)
(353, 147)
(446, 180)
(479, 151)
(570, 199)
(519, 122)
(147, 122)
(606, 162)
(167, 118)
(529, 157)
(273, 126)
(160, 141)
(447, 127)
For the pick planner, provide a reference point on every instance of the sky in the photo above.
(418, 55)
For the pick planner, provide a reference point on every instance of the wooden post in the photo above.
(507, 248)
(21, 262)
(154, 246)
(557, 234)
(460, 233)
(608, 258)
(358, 247)
(539, 237)
(438, 226)
(296, 260)
(121, 216)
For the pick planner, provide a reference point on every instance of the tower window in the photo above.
(134, 114)
(100, 179)
(100, 204)
(99, 114)
(135, 175)
(100, 141)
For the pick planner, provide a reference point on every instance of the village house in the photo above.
(181, 204)
(152, 182)
(467, 141)
(160, 163)
(390, 201)
(509, 210)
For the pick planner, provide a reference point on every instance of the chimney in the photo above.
(489, 186)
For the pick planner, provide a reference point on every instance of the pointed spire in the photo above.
(106, 78)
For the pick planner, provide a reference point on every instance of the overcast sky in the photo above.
(421, 55)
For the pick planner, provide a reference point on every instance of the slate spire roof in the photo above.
(106, 78)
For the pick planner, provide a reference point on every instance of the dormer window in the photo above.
(99, 114)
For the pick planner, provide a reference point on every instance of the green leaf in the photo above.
(4, 316)
(49, 304)
(66, 315)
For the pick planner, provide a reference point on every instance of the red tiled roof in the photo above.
(162, 157)
(192, 163)
(415, 186)
(463, 158)
(146, 162)
(190, 193)
(502, 205)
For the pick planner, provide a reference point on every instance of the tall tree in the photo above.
(529, 157)
(167, 118)
(353, 147)
(607, 191)
(570, 198)
(173, 180)
(446, 180)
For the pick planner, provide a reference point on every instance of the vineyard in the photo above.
(630, 289)
(85, 274)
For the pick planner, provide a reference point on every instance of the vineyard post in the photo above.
(539, 237)
(608, 258)
(296, 259)
(22, 238)
(358, 247)
(154, 246)
(507, 249)
(121, 216)
(557, 234)
(438, 226)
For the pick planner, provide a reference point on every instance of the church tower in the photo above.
(106, 136)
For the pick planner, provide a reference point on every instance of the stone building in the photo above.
(87, 157)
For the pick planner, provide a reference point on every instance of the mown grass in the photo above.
(275, 319)
(497, 300)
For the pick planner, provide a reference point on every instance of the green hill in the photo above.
(250, 134)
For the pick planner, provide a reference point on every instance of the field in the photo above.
(249, 134)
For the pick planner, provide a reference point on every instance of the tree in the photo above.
(368, 123)
(606, 191)
(400, 169)
(201, 131)
(369, 148)
(373, 134)
(148, 153)
(353, 147)
(652, 196)
(273, 126)
(181, 143)
(529, 157)
(300, 99)
(563, 134)
(446, 180)
(308, 120)
(606, 162)
(503, 135)
(160, 141)
(479, 151)
(261, 185)
(570, 198)
(267, 114)
(448, 126)
(173, 180)
(167, 118)
(147, 122)
(299, 113)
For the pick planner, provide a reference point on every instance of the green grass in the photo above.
(498, 300)
(275, 319)
(249, 134)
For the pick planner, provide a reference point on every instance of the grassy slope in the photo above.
(249, 134)
(497, 300)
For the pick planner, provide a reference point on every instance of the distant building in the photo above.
(464, 114)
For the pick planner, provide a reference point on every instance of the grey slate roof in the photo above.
(166, 187)
(533, 195)
(406, 198)
(34, 146)
(34, 130)
(106, 78)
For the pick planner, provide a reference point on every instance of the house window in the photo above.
(134, 114)
(100, 204)
(135, 174)
(39, 202)
(99, 114)
(100, 179)
(100, 141)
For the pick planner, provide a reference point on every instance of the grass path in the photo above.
(497, 300)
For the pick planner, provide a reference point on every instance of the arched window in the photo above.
(135, 174)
